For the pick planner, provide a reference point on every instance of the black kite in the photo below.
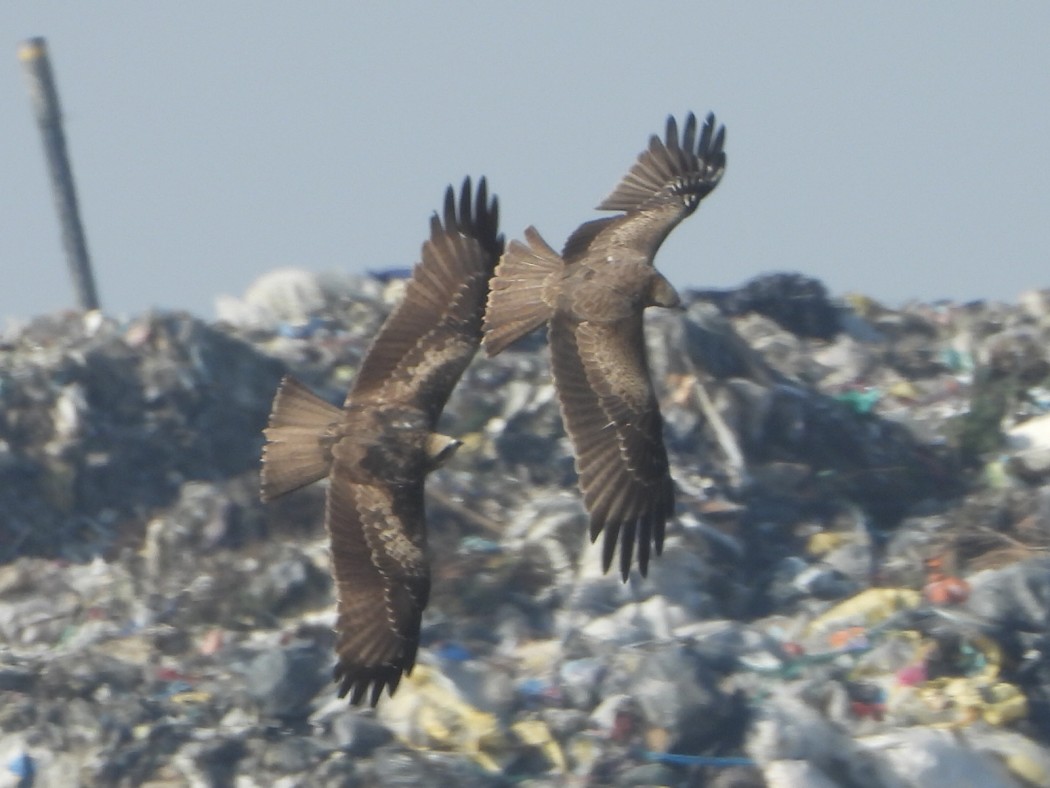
(377, 449)
(592, 296)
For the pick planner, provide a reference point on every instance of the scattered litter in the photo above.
(855, 590)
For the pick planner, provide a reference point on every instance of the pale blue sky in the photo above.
(896, 149)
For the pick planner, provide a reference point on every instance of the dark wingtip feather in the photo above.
(671, 136)
(720, 143)
(627, 551)
(490, 210)
(608, 549)
(644, 542)
(689, 135)
(449, 211)
(638, 529)
(705, 135)
(711, 147)
(475, 216)
(357, 683)
(465, 201)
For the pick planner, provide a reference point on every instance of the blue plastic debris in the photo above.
(23, 767)
(698, 760)
(390, 274)
(301, 330)
(453, 652)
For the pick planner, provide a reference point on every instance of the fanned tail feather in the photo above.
(521, 291)
(294, 455)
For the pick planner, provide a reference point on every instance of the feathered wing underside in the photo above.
(296, 453)
(430, 338)
(579, 242)
(611, 415)
(382, 579)
(673, 170)
(522, 291)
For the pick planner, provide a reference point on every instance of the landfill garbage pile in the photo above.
(795, 302)
(102, 423)
(855, 590)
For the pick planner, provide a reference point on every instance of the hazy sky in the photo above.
(896, 149)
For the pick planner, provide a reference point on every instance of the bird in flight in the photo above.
(591, 297)
(377, 449)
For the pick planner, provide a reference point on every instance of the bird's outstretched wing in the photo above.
(611, 415)
(382, 581)
(430, 338)
(665, 185)
(673, 170)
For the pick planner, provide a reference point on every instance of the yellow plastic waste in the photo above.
(961, 700)
(866, 609)
(1025, 757)
(952, 702)
(190, 697)
(824, 542)
(958, 701)
(585, 752)
(903, 389)
(535, 733)
(343, 374)
(1027, 766)
(997, 475)
(538, 657)
(431, 714)
(1005, 704)
(865, 306)
(472, 442)
(657, 739)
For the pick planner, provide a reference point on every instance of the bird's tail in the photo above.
(295, 454)
(522, 291)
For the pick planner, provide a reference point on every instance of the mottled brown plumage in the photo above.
(592, 297)
(377, 449)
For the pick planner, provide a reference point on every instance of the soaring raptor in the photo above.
(592, 296)
(377, 449)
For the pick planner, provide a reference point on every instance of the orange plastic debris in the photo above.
(842, 638)
(947, 591)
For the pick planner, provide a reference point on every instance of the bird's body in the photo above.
(378, 448)
(591, 297)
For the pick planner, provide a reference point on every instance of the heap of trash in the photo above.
(855, 590)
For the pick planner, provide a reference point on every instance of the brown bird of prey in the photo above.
(377, 449)
(592, 296)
